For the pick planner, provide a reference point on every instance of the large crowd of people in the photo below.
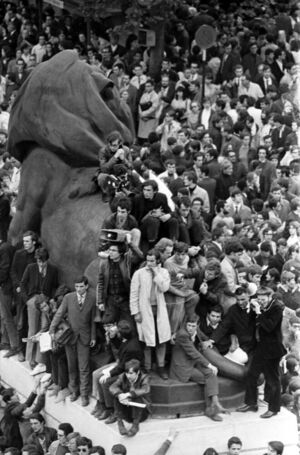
(201, 252)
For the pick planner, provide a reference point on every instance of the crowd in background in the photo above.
(201, 252)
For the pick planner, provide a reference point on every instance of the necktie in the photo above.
(80, 302)
(236, 209)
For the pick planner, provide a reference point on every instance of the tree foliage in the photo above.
(146, 13)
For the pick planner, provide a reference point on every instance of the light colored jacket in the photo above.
(140, 291)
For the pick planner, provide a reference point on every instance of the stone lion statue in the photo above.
(59, 120)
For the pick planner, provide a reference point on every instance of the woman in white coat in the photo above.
(148, 306)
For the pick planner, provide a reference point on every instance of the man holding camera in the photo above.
(114, 278)
(267, 354)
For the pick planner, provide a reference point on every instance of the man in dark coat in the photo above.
(41, 435)
(267, 354)
(13, 414)
(9, 330)
(22, 258)
(189, 364)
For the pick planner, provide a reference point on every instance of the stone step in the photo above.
(195, 433)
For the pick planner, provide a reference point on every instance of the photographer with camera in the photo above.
(267, 354)
(113, 155)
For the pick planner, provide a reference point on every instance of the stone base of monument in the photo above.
(195, 433)
(172, 399)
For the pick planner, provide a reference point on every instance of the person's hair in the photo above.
(241, 289)
(233, 246)
(162, 244)
(114, 136)
(292, 364)
(83, 441)
(124, 203)
(184, 200)
(155, 253)
(210, 451)
(191, 175)
(234, 440)
(97, 449)
(33, 235)
(295, 203)
(81, 279)
(286, 276)
(119, 449)
(275, 274)
(151, 183)
(254, 269)
(66, 428)
(73, 435)
(133, 364)
(125, 329)
(180, 247)
(216, 308)
(32, 449)
(264, 290)
(37, 416)
(41, 254)
(192, 318)
(278, 446)
(217, 233)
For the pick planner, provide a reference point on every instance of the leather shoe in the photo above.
(104, 414)
(111, 419)
(162, 373)
(122, 429)
(133, 430)
(247, 407)
(268, 414)
(74, 396)
(212, 413)
(85, 401)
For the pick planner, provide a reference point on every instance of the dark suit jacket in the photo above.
(185, 356)
(279, 141)
(81, 320)
(50, 436)
(269, 331)
(239, 323)
(32, 283)
(276, 71)
(277, 262)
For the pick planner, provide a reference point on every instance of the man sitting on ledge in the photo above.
(188, 364)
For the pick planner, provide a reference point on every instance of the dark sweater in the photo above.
(142, 206)
(129, 349)
(20, 261)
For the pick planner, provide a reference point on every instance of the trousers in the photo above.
(8, 327)
(271, 371)
(78, 357)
